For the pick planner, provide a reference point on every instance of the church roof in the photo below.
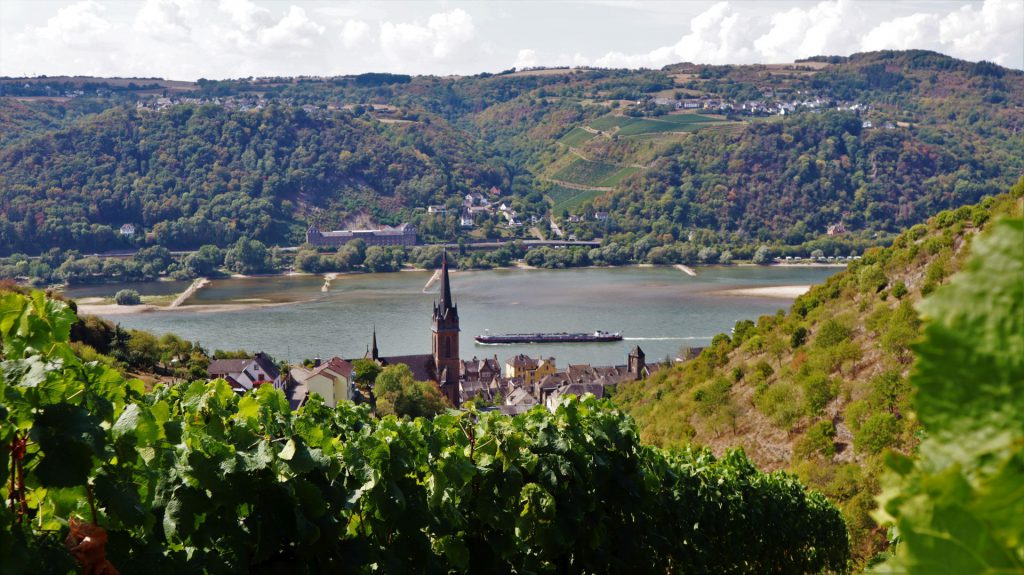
(421, 365)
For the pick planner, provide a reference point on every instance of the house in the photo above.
(466, 219)
(836, 229)
(247, 373)
(529, 369)
(401, 235)
(128, 230)
(331, 379)
(577, 389)
(440, 210)
(600, 216)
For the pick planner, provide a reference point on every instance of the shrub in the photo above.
(799, 337)
(818, 391)
(832, 333)
(899, 290)
(127, 297)
(876, 433)
(780, 403)
(817, 441)
(872, 279)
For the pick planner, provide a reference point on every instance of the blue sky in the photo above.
(189, 39)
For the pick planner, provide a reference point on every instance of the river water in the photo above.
(660, 309)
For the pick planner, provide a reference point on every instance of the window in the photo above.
(447, 347)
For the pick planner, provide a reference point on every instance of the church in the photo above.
(527, 382)
(442, 365)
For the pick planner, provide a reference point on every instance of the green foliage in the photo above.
(872, 279)
(248, 256)
(876, 433)
(832, 333)
(798, 338)
(817, 441)
(781, 403)
(194, 478)
(958, 506)
(127, 297)
(398, 394)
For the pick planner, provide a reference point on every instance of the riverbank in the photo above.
(98, 307)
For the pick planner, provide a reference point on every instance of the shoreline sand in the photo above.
(781, 292)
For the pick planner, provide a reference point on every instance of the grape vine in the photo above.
(194, 478)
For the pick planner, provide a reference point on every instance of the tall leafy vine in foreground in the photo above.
(959, 505)
(194, 478)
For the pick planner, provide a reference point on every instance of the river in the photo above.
(660, 309)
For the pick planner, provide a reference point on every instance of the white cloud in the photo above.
(165, 19)
(526, 58)
(229, 38)
(722, 34)
(80, 24)
(826, 28)
(245, 14)
(355, 33)
(295, 29)
(916, 30)
(718, 35)
(442, 36)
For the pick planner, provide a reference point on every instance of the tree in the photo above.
(248, 256)
(203, 262)
(399, 394)
(127, 297)
(762, 256)
(365, 371)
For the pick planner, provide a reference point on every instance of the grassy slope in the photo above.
(825, 405)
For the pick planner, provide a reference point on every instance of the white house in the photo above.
(128, 230)
(246, 373)
(332, 380)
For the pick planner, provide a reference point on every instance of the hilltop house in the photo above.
(247, 373)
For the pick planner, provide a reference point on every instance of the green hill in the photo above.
(877, 141)
(821, 390)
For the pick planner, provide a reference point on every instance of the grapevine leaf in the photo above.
(121, 500)
(68, 437)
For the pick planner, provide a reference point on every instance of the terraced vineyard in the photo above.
(661, 124)
(563, 198)
(576, 137)
(586, 172)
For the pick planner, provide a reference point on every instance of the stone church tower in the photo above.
(637, 365)
(445, 330)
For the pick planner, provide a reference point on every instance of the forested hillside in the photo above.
(202, 174)
(823, 389)
(683, 158)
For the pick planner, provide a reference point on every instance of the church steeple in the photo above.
(374, 355)
(446, 338)
(446, 306)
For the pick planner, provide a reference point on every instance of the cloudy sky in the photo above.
(189, 39)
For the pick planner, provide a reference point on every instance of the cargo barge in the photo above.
(597, 336)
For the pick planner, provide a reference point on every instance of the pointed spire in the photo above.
(375, 355)
(446, 289)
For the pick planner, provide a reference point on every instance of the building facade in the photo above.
(401, 235)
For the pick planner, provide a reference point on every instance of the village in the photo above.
(514, 386)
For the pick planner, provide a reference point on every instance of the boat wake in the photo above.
(667, 338)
